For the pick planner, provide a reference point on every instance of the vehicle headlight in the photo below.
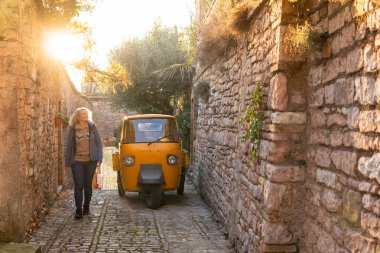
(129, 160)
(172, 159)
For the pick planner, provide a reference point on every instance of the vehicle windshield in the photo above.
(150, 130)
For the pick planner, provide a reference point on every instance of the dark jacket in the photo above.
(96, 148)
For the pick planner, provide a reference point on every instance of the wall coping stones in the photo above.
(288, 117)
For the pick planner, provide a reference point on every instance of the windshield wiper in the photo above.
(166, 136)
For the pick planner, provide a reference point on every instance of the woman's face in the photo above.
(83, 116)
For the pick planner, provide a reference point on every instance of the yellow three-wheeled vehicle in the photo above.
(150, 158)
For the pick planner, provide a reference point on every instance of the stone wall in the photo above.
(343, 138)
(107, 118)
(315, 185)
(221, 165)
(33, 88)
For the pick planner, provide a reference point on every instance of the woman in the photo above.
(84, 153)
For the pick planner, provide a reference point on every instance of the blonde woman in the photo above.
(83, 153)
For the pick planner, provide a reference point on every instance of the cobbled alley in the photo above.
(125, 224)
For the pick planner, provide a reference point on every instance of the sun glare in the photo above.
(64, 46)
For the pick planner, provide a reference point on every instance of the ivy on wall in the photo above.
(254, 117)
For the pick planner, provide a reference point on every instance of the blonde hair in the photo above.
(74, 118)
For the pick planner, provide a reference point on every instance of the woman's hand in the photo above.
(98, 164)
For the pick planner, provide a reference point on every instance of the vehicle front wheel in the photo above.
(154, 195)
(181, 187)
(120, 188)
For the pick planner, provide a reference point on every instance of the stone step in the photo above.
(19, 248)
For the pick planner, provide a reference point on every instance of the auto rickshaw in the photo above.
(150, 158)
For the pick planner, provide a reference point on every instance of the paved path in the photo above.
(182, 224)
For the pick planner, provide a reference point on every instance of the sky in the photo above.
(113, 21)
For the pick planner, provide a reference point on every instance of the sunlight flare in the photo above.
(64, 46)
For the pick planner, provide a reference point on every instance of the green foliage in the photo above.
(254, 117)
(59, 13)
(149, 91)
(184, 124)
(62, 117)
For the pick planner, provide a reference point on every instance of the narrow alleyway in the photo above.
(125, 224)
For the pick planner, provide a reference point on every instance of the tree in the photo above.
(152, 91)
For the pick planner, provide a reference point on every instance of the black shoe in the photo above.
(86, 211)
(78, 215)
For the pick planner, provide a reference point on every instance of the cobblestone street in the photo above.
(125, 224)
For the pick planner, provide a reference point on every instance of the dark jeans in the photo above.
(83, 173)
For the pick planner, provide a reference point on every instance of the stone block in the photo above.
(273, 196)
(336, 138)
(354, 60)
(371, 224)
(317, 97)
(264, 149)
(344, 91)
(285, 173)
(297, 99)
(278, 151)
(361, 141)
(270, 248)
(329, 94)
(371, 203)
(336, 22)
(288, 118)
(331, 200)
(315, 76)
(327, 178)
(365, 90)
(377, 40)
(356, 242)
(370, 167)
(335, 44)
(370, 62)
(361, 31)
(322, 26)
(276, 233)
(330, 70)
(322, 157)
(317, 118)
(278, 93)
(327, 48)
(353, 117)
(319, 136)
(336, 119)
(364, 187)
(373, 21)
(347, 37)
(352, 206)
(279, 136)
(369, 121)
(345, 161)
(326, 243)
(377, 86)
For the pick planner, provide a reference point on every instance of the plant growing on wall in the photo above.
(222, 26)
(254, 117)
(297, 39)
(61, 120)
